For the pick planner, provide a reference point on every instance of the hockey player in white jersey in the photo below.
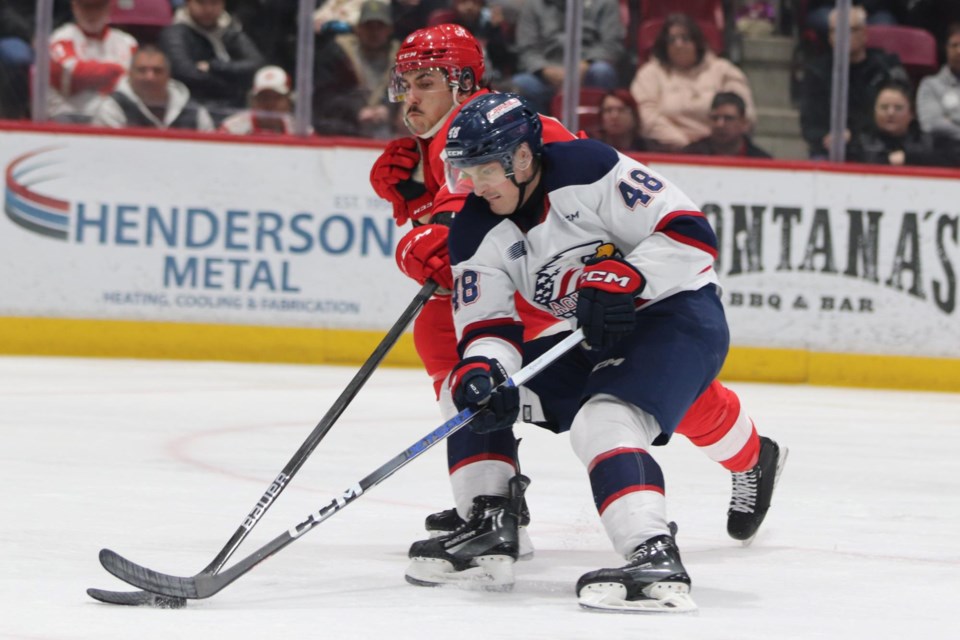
(611, 246)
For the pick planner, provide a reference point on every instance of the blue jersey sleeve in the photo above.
(578, 162)
(469, 228)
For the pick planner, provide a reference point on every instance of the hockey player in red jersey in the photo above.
(438, 70)
(606, 244)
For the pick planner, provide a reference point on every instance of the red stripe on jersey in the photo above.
(690, 242)
(613, 452)
(481, 458)
(631, 489)
(682, 239)
(565, 288)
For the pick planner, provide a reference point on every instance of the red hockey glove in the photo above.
(391, 178)
(423, 255)
(474, 383)
(605, 304)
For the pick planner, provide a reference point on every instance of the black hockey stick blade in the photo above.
(137, 599)
(299, 458)
(204, 585)
(149, 580)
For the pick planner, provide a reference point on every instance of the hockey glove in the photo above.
(605, 304)
(392, 178)
(423, 255)
(474, 384)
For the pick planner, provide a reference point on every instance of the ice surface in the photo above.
(161, 461)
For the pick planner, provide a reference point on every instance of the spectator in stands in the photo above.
(869, 69)
(619, 123)
(16, 56)
(675, 87)
(336, 16)
(411, 15)
(894, 137)
(488, 25)
(272, 25)
(876, 12)
(87, 60)
(271, 106)
(541, 40)
(210, 53)
(938, 99)
(148, 97)
(729, 129)
(351, 75)
(935, 16)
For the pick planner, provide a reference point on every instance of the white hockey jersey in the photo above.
(85, 69)
(596, 202)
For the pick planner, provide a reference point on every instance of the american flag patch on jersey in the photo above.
(517, 250)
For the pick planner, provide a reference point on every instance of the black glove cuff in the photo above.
(411, 189)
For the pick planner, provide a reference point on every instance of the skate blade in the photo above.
(664, 597)
(492, 573)
(781, 461)
(525, 546)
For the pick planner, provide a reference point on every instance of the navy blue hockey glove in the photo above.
(605, 304)
(473, 383)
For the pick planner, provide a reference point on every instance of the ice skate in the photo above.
(653, 581)
(480, 552)
(752, 491)
(447, 521)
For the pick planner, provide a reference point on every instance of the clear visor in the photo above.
(414, 81)
(474, 179)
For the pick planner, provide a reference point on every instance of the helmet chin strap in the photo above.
(522, 186)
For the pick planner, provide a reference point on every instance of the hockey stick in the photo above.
(204, 585)
(290, 470)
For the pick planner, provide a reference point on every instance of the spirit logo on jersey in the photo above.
(556, 284)
(605, 250)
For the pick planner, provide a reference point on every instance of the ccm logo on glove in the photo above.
(606, 309)
(612, 275)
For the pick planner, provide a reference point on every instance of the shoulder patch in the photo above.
(517, 250)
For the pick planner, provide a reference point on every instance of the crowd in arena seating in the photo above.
(656, 75)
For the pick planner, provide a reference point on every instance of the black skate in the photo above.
(479, 552)
(752, 491)
(654, 581)
(443, 522)
(447, 521)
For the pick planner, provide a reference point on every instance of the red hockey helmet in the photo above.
(448, 47)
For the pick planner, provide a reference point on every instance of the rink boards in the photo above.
(202, 247)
